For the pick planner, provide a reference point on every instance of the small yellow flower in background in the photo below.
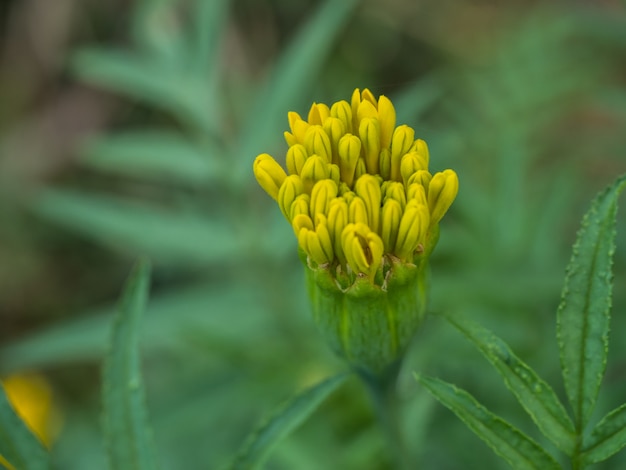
(365, 210)
(32, 398)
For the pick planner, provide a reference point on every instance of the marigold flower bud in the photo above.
(335, 129)
(299, 206)
(291, 188)
(316, 142)
(391, 216)
(442, 191)
(342, 111)
(363, 248)
(316, 243)
(349, 152)
(323, 192)
(337, 221)
(269, 174)
(387, 118)
(412, 230)
(411, 163)
(369, 131)
(318, 114)
(296, 156)
(401, 142)
(315, 169)
(365, 210)
(298, 126)
(367, 188)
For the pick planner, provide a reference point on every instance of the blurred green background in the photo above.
(129, 127)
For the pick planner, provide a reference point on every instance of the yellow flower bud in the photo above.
(335, 129)
(367, 188)
(360, 169)
(363, 248)
(316, 243)
(269, 174)
(412, 231)
(315, 169)
(400, 144)
(410, 163)
(391, 216)
(301, 222)
(298, 126)
(291, 188)
(422, 148)
(342, 111)
(321, 195)
(318, 114)
(296, 156)
(366, 110)
(337, 221)
(317, 142)
(387, 119)
(300, 206)
(417, 192)
(422, 177)
(357, 212)
(290, 138)
(348, 196)
(367, 95)
(395, 190)
(369, 131)
(334, 173)
(349, 152)
(442, 191)
(384, 160)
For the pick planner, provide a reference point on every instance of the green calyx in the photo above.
(370, 325)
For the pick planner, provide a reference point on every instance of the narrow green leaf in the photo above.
(204, 309)
(607, 438)
(584, 313)
(295, 72)
(17, 444)
(167, 236)
(126, 430)
(520, 451)
(167, 88)
(150, 154)
(534, 394)
(282, 422)
(209, 21)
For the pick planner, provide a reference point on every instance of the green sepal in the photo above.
(368, 324)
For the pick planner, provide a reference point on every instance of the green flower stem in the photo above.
(382, 389)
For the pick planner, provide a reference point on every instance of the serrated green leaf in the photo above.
(520, 451)
(584, 312)
(18, 445)
(167, 88)
(534, 394)
(607, 438)
(150, 154)
(126, 430)
(282, 422)
(294, 73)
(167, 236)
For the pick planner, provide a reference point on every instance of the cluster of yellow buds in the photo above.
(360, 198)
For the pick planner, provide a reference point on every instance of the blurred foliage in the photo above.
(129, 128)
